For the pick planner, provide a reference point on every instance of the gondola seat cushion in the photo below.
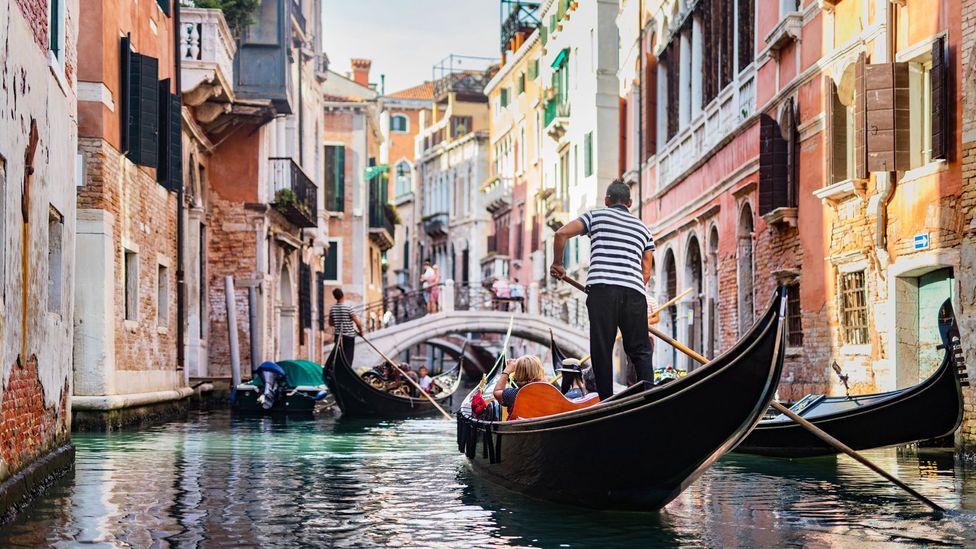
(540, 399)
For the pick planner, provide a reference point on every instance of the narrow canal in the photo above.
(223, 481)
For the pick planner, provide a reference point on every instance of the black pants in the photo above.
(612, 307)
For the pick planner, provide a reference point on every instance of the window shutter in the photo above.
(940, 100)
(164, 141)
(673, 63)
(834, 145)
(141, 109)
(860, 123)
(164, 5)
(125, 66)
(305, 296)
(728, 43)
(708, 51)
(887, 117)
(650, 107)
(746, 38)
(176, 141)
(773, 162)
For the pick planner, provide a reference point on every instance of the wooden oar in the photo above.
(816, 431)
(670, 302)
(447, 416)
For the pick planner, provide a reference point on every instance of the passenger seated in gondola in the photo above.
(521, 372)
(572, 385)
(423, 379)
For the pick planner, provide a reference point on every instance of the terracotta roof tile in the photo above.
(339, 98)
(422, 91)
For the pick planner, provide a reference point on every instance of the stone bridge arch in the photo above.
(532, 327)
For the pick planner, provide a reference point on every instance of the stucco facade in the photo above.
(38, 146)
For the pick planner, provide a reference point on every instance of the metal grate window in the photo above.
(794, 323)
(853, 308)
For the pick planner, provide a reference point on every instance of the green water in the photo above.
(221, 481)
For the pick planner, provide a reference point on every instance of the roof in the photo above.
(341, 98)
(422, 91)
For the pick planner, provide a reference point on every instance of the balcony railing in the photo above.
(436, 224)
(206, 44)
(294, 194)
(381, 226)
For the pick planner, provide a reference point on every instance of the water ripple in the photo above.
(222, 481)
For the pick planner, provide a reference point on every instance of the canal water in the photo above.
(224, 481)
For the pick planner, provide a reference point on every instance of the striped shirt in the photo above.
(340, 315)
(618, 241)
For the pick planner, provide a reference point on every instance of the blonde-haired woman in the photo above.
(521, 371)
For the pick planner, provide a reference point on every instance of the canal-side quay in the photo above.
(220, 481)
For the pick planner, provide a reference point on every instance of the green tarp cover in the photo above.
(301, 373)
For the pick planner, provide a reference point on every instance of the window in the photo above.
(522, 145)
(56, 27)
(130, 266)
(504, 97)
(331, 261)
(55, 254)
(920, 91)
(335, 178)
(853, 308)
(202, 282)
(533, 69)
(564, 180)
(162, 296)
(588, 154)
(163, 5)
(840, 132)
(520, 83)
(399, 123)
(403, 183)
(320, 298)
(460, 126)
(794, 319)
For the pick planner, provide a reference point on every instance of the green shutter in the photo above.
(588, 154)
(335, 178)
(164, 5)
(533, 69)
(140, 109)
(504, 97)
(543, 35)
(330, 268)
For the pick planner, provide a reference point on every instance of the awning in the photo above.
(561, 58)
(373, 171)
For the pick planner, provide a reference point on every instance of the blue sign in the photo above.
(921, 241)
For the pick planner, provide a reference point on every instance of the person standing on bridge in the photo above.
(621, 250)
(345, 324)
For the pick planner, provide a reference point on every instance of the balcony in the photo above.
(556, 118)
(294, 194)
(208, 49)
(382, 226)
(497, 193)
(468, 86)
(435, 225)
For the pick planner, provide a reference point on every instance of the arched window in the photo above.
(399, 123)
(744, 270)
(403, 182)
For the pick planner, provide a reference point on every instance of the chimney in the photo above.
(360, 71)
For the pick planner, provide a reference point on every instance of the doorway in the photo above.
(917, 302)
(286, 317)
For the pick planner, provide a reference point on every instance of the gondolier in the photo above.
(345, 324)
(621, 249)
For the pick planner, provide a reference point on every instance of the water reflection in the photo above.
(222, 481)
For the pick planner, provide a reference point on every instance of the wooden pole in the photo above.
(816, 431)
(447, 416)
(671, 302)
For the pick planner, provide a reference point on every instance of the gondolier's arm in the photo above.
(567, 231)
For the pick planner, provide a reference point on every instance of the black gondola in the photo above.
(357, 398)
(639, 449)
(931, 409)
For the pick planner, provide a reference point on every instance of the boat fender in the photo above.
(472, 444)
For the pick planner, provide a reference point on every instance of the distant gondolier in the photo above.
(345, 324)
(620, 266)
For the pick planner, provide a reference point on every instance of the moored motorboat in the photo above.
(356, 397)
(639, 449)
(286, 386)
(931, 409)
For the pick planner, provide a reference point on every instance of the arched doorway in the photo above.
(711, 292)
(693, 274)
(286, 317)
(670, 317)
(745, 276)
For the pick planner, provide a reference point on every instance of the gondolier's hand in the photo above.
(557, 271)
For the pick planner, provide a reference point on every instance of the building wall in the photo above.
(965, 75)
(35, 327)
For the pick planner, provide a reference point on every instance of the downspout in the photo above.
(180, 229)
(640, 110)
(886, 181)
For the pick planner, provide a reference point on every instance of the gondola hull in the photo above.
(639, 450)
(302, 402)
(931, 409)
(357, 398)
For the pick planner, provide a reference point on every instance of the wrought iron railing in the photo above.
(293, 193)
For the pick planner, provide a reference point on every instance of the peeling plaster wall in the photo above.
(35, 343)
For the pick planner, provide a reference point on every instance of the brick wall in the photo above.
(30, 427)
(966, 76)
(35, 12)
(145, 222)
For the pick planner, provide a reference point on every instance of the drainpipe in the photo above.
(180, 272)
(886, 181)
(640, 110)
